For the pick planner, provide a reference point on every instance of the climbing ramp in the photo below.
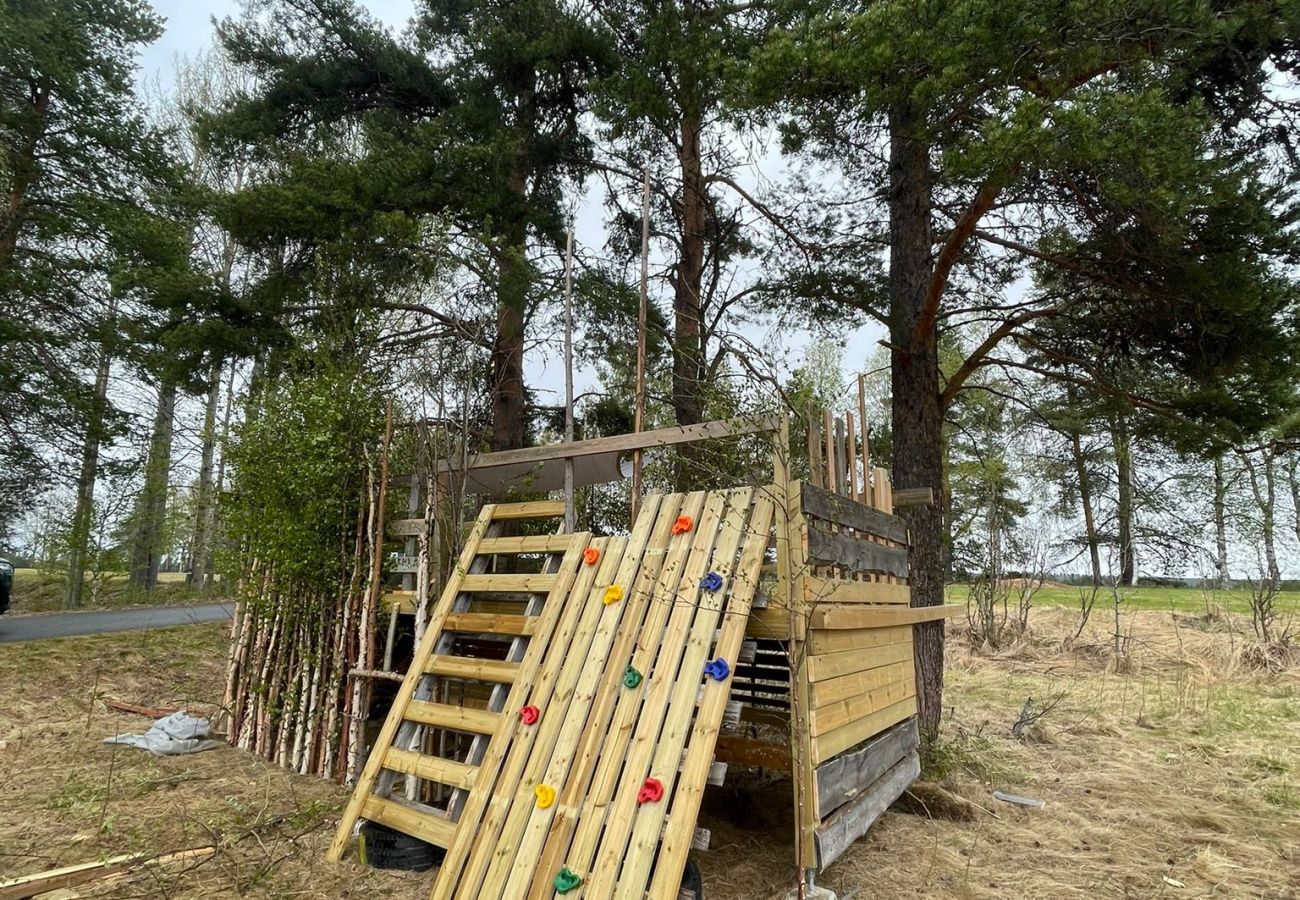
(591, 781)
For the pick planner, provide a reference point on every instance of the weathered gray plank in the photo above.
(853, 553)
(822, 504)
(852, 821)
(841, 779)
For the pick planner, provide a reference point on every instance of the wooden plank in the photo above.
(496, 670)
(51, 880)
(865, 617)
(913, 497)
(506, 584)
(420, 823)
(407, 527)
(533, 543)
(825, 719)
(819, 592)
(820, 503)
(752, 753)
(430, 768)
(852, 821)
(836, 742)
(530, 509)
(833, 665)
(456, 718)
(491, 623)
(824, 641)
(622, 443)
(855, 554)
(848, 687)
(701, 749)
(397, 714)
(841, 779)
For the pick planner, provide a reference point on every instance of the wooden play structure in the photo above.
(572, 695)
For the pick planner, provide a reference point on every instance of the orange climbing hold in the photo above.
(613, 594)
(591, 555)
(545, 795)
(683, 524)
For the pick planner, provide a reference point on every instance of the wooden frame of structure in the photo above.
(820, 644)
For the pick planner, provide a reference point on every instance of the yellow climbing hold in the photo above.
(545, 795)
(613, 594)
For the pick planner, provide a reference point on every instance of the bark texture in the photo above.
(151, 509)
(1124, 509)
(83, 514)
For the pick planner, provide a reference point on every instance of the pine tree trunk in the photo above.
(151, 510)
(1221, 527)
(1085, 502)
(203, 513)
(688, 342)
(1124, 507)
(917, 410)
(83, 515)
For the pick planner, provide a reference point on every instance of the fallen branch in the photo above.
(82, 873)
(153, 712)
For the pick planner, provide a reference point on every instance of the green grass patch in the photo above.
(39, 591)
(1184, 600)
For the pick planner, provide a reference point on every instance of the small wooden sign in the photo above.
(403, 564)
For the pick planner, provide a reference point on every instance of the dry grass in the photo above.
(1178, 776)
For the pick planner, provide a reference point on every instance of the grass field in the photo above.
(36, 591)
(1171, 772)
(1168, 599)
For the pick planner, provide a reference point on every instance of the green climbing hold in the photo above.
(567, 880)
(631, 677)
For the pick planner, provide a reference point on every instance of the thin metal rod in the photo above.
(639, 416)
(570, 514)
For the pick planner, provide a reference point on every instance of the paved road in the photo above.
(57, 625)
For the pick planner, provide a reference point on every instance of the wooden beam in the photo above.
(843, 778)
(820, 503)
(913, 497)
(852, 821)
(423, 823)
(752, 753)
(875, 617)
(530, 509)
(822, 591)
(855, 554)
(82, 873)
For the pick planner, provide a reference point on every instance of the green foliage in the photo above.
(298, 472)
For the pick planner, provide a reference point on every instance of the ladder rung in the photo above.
(505, 584)
(431, 768)
(488, 623)
(532, 509)
(537, 543)
(426, 826)
(496, 670)
(457, 718)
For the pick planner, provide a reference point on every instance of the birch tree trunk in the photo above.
(204, 505)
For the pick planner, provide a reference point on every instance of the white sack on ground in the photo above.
(171, 735)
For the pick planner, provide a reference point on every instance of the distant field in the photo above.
(37, 591)
(1191, 600)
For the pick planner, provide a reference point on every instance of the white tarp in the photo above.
(171, 735)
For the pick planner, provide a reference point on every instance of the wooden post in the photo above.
(828, 429)
(866, 438)
(570, 515)
(852, 456)
(815, 473)
(639, 418)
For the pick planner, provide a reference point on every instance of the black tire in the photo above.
(692, 880)
(384, 848)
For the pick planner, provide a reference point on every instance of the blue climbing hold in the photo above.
(711, 582)
(718, 670)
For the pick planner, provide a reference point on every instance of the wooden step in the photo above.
(490, 623)
(532, 509)
(506, 584)
(456, 718)
(431, 768)
(427, 826)
(537, 543)
(496, 670)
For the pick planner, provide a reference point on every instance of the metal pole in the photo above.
(639, 419)
(570, 515)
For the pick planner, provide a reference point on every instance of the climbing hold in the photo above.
(718, 670)
(613, 594)
(651, 792)
(591, 555)
(683, 524)
(631, 677)
(566, 880)
(545, 795)
(530, 715)
(711, 582)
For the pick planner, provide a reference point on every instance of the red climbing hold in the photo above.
(591, 555)
(530, 715)
(683, 524)
(651, 792)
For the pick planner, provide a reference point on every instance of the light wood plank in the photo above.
(820, 591)
(431, 768)
(505, 584)
(837, 741)
(533, 543)
(862, 617)
(496, 670)
(825, 719)
(419, 823)
(456, 718)
(864, 640)
(491, 623)
(531, 509)
(833, 665)
(848, 687)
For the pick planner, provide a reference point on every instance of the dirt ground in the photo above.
(1178, 776)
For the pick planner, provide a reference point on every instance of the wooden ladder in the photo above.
(477, 612)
